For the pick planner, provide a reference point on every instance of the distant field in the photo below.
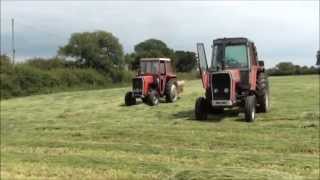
(92, 135)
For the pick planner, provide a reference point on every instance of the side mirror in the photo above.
(261, 63)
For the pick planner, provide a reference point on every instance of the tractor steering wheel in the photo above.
(232, 63)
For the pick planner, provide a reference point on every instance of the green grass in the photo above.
(92, 135)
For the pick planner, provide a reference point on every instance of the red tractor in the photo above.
(155, 79)
(233, 78)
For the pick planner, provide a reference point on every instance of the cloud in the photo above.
(282, 31)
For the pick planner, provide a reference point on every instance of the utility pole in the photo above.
(12, 41)
(318, 53)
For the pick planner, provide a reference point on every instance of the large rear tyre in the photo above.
(201, 107)
(263, 99)
(171, 91)
(129, 99)
(153, 98)
(250, 108)
(264, 103)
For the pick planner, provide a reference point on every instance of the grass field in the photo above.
(92, 135)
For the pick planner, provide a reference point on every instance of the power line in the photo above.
(13, 27)
(37, 28)
(14, 22)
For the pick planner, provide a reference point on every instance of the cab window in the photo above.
(150, 67)
(162, 68)
(168, 67)
(236, 56)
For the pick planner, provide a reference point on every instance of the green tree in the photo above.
(151, 48)
(286, 68)
(100, 50)
(185, 61)
(129, 59)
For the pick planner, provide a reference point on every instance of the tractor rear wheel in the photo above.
(171, 91)
(263, 93)
(153, 98)
(201, 107)
(250, 108)
(129, 99)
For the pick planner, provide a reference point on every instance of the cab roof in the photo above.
(154, 59)
(232, 40)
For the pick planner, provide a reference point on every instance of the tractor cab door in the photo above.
(253, 67)
(162, 77)
(203, 64)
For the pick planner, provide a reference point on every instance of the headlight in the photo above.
(215, 90)
(226, 90)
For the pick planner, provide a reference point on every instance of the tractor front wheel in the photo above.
(201, 109)
(250, 108)
(171, 91)
(129, 99)
(153, 98)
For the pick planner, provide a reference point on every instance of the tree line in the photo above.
(288, 68)
(102, 51)
(96, 59)
(88, 60)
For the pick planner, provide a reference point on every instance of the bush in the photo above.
(26, 80)
(9, 86)
(121, 76)
(91, 77)
(30, 79)
(46, 64)
(5, 64)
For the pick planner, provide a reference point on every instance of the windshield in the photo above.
(150, 67)
(231, 56)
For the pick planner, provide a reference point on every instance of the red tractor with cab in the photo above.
(233, 78)
(155, 79)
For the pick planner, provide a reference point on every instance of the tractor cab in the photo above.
(155, 66)
(229, 56)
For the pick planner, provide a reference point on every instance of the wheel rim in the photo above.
(173, 93)
(253, 112)
(267, 101)
(155, 100)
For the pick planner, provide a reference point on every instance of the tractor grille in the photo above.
(137, 86)
(220, 82)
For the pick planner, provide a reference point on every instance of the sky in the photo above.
(282, 31)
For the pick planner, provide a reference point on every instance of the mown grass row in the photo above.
(92, 135)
